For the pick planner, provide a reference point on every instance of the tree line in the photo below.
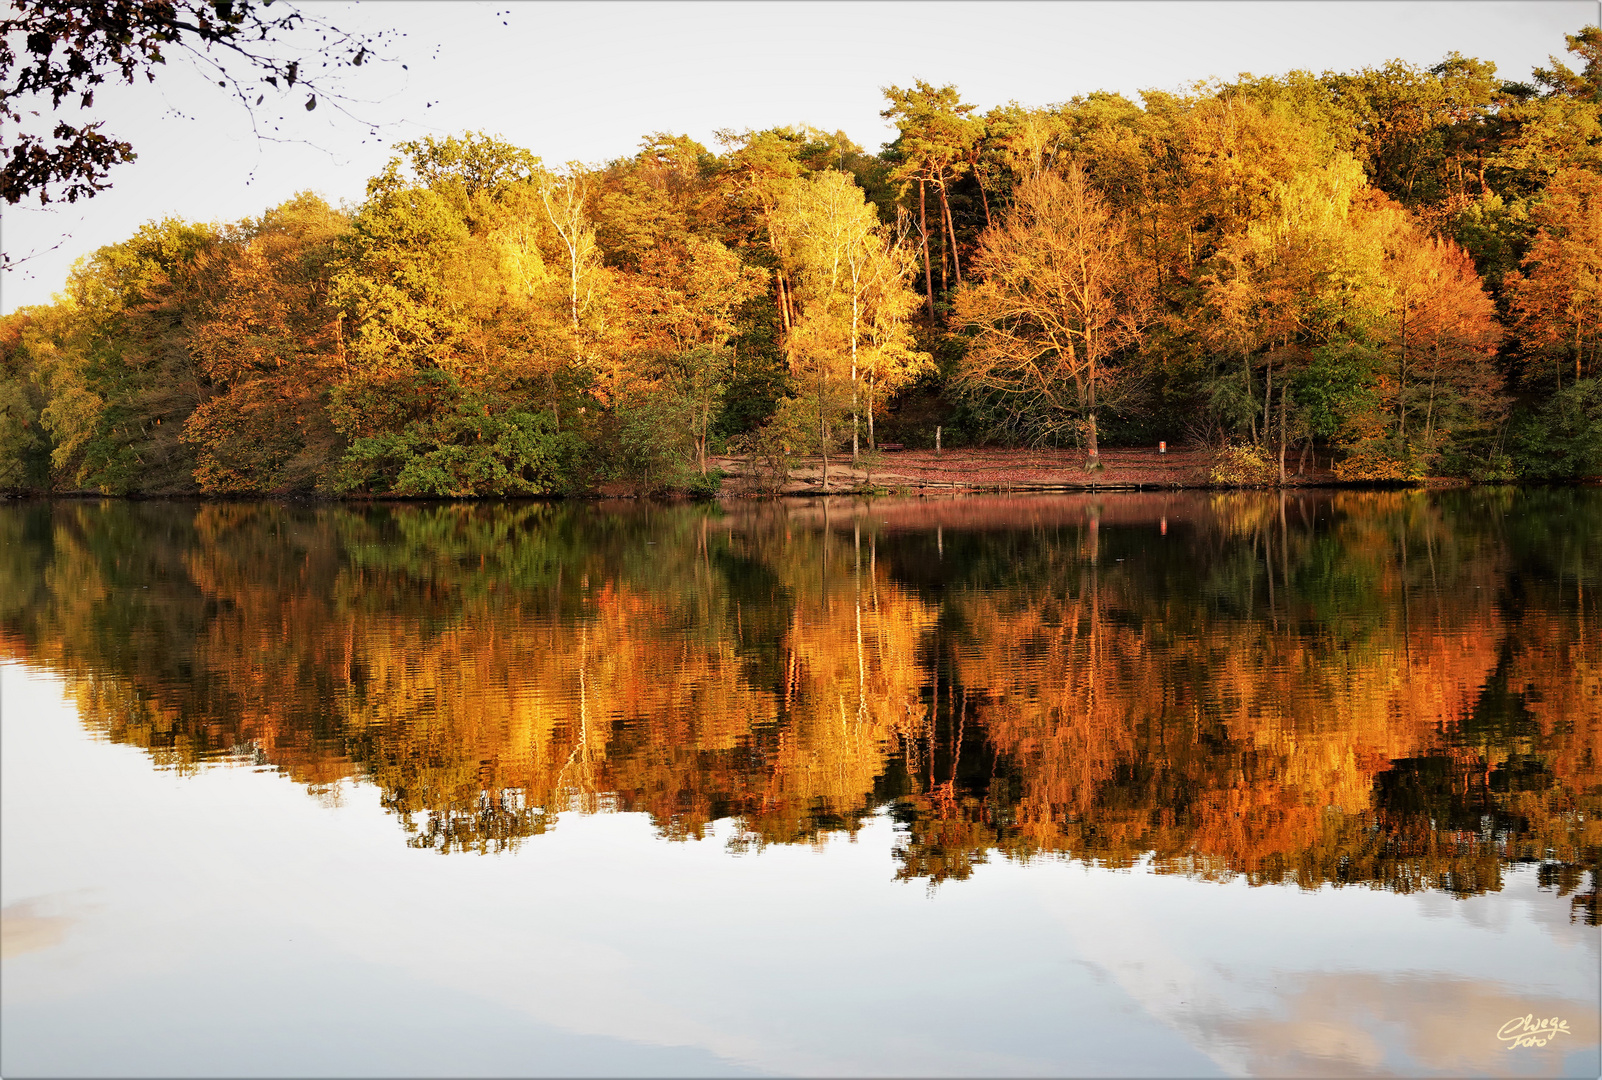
(1394, 272)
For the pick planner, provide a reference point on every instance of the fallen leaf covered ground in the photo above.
(991, 470)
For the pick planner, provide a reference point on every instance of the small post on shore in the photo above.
(937, 440)
(1162, 448)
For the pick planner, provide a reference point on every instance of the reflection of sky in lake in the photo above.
(231, 925)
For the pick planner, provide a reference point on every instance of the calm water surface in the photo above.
(1184, 784)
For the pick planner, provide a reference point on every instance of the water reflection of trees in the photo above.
(1395, 688)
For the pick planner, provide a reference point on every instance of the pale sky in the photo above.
(586, 81)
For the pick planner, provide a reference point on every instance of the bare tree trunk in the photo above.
(1092, 434)
(923, 232)
(784, 301)
(1268, 398)
(984, 200)
(1401, 386)
(856, 308)
(823, 435)
(951, 230)
(1429, 420)
(780, 282)
(1282, 408)
(1247, 365)
(873, 447)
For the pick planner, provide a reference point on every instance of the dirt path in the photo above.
(996, 470)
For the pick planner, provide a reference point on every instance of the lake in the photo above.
(1147, 784)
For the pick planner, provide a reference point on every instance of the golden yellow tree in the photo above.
(1059, 297)
(850, 282)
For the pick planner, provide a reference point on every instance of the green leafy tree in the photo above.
(127, 380)
(456, 443)
(24, 443)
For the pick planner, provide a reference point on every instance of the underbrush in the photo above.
(1243, 465)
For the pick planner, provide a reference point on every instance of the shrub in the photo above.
(462, 453)
(1562, 440)
(1374, 461)
(1243, 465)
(773, 448)
(651, 449)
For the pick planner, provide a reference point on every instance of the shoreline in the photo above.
(903, 473)
(1013, 470)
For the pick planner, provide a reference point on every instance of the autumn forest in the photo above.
(1395, 269)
